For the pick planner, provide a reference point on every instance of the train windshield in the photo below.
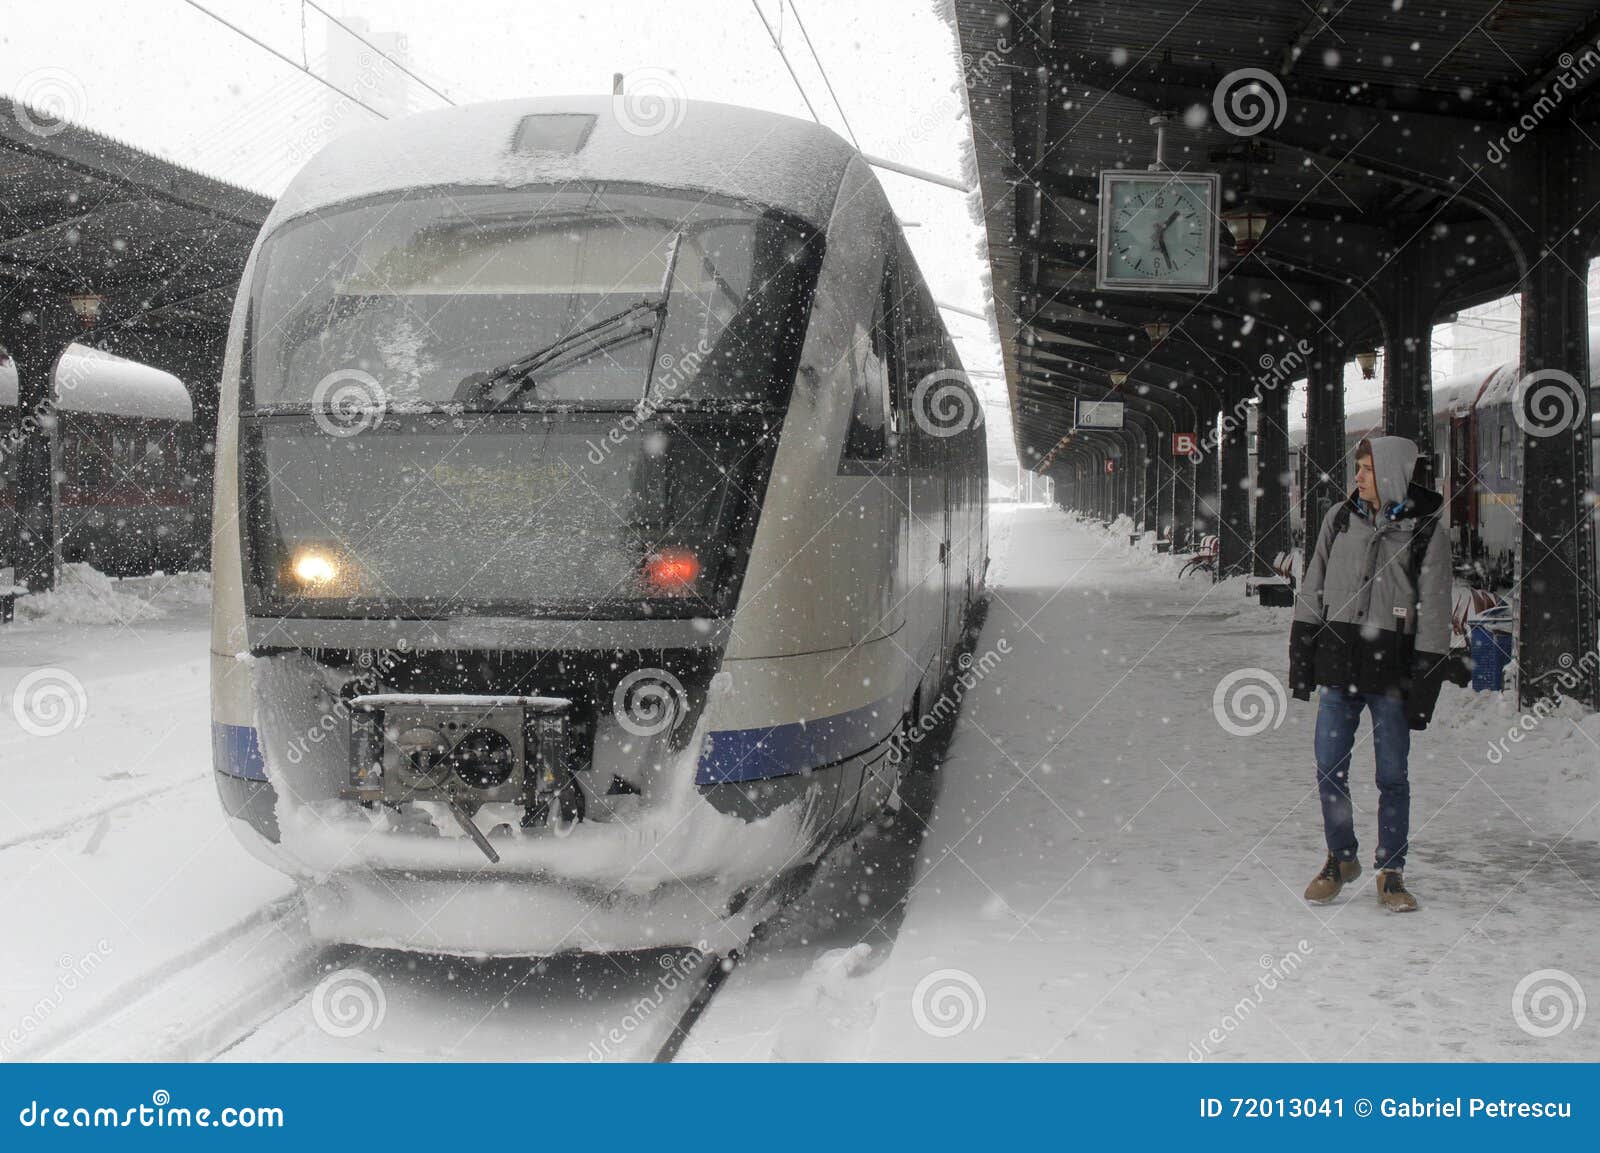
(529, 299)
(551, 403)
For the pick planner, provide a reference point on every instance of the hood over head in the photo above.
(1394, 458)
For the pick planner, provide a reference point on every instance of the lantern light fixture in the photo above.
(86, 306)
(1248, 223)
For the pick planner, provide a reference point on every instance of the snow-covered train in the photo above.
(125, 460)
(1476, 463)
(610, 504)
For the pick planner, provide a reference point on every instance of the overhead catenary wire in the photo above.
(784, 56)
(828, 84)
(876, 161)
(290, 61)
(332, 19)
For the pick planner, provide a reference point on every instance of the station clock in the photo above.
(1158, 230)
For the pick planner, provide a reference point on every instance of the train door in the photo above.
(1463, 509)
(947, 550)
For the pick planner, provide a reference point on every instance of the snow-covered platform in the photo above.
(1110, 866)
(1115, 862)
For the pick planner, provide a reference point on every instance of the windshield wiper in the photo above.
(664, 295)
(589, 339)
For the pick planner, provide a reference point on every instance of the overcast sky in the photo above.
(167, 77)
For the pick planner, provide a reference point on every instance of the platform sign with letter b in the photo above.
(1184, 444)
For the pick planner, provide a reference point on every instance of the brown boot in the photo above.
(1392, 894)
(1335, 875)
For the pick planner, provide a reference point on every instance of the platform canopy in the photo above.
(1381, 166)
(162, 246)
(104, 245)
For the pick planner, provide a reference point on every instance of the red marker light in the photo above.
(672, 571)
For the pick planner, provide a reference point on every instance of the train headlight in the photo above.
(315, 569)
(672, 571)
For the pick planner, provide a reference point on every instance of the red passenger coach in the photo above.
(125, 455)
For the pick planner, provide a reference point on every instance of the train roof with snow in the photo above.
(719, 149)
(90, 381)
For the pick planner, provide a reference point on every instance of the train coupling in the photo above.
(465, 750)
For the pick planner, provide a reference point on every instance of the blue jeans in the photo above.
(1338, 717)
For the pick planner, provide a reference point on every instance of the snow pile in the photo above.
(85, 596)
(1551, 748)
(1115, 538)
(831, 1016)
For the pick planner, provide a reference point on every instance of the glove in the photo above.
(1427, 676)
(1302, 659)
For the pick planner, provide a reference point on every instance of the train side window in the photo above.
(1505, 452)
(873, 417)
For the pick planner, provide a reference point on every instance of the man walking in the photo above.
(1372, 628)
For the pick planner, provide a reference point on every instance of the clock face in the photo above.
(1158, 230)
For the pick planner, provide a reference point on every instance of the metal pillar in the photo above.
(1182, 481)
(1272, 475)
(1207, 516)
(1323, 480)
(1555, 587)
(1150, 509)
(36, 339)
(1234, 538)
(1408, 354)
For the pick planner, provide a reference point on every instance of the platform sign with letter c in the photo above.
(1184, 444)
(1111, 465)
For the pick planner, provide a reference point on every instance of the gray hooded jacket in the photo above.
(1373, 613)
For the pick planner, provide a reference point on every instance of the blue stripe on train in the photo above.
(781, 750)
(236, 751)
(730, 754)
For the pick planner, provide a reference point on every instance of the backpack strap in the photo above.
(1341, 519)
(1421, 537)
